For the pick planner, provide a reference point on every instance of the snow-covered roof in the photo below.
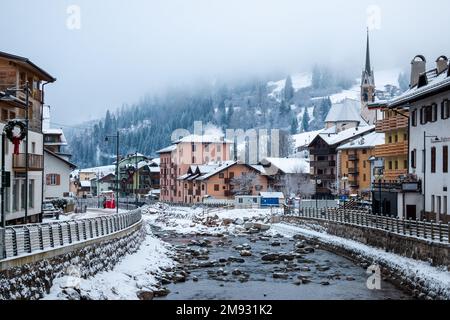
(334, 138)
(157, 161)
(277, 195)
(55, 131)
(286, 165)
(167, 149)
(102, 171)
(205, 138)
(435, 83)
(305, 138)
(365, 142)
(217, 169)
(347, 110)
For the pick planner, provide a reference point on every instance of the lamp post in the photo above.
(137, 180)
(379, 177)
(345, 180)
(117, 137)
(436, 138)
(317, 182)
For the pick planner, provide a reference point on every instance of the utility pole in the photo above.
(137, 180)
(117, 137)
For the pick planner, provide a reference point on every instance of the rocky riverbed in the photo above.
(257, 265)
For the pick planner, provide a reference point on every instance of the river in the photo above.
(213, 272)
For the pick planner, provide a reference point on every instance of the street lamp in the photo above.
(317, 182)
(117, 137)
(436, 139)
(379, 177)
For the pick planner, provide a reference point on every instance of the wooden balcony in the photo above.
(323, 164)
(392, 149)
(393, 175)
(319, 152)
(35, 162)
(390, 124)
(353, 157)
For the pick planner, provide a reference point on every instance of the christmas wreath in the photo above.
(9, 131)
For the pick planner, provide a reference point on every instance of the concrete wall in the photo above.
(30, 277)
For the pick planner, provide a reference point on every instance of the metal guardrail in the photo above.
(427, 230)
(21, 240)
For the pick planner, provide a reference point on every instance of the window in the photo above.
(364, 151)
(433, 160)
(445, 159)
(364, 177)
(4, 115)
(444, 205)
(53, 179)
(390, 139)
(428, 114)
(219, 148)
(396, 164)
(33, 147)
(405, 137)
(390, 165)
(396, 138)
(432, 204)
(194, 147)
(221, 176)
(193, 160)
(364, 164)
(414, 118)
(255, 200)
(241, 200)
(16, 197)
(413, 158)
(31, 194)
(434, 111)
(438, 204)
(207, 148)
(346, 165)
(203, 187)
(421, 115)
(216, 187)
(22, 192)
(405, 164)
(231, 175)
(445, 109)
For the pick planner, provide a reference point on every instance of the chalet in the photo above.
(324, 157)
(16, 75)
(57, 175)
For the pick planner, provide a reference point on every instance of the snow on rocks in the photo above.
(424, 280)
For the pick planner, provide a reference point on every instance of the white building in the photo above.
(15, 73)
(429, 125)
(57, 175)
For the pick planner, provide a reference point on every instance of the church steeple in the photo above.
(368, 67)
(367, 78)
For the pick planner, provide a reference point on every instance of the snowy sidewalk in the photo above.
(435, 278)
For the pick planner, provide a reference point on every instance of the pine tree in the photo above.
(288, 89)
(294, 125)
(305, 121)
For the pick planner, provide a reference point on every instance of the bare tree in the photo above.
(297, 184)
(243, 185)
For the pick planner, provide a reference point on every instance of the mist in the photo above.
(123, 51)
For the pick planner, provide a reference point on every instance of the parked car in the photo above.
(49, 211)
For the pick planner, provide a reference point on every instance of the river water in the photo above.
(328, 276)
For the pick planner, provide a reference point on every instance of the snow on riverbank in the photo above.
(135, 272)
(197, 220)
(437, 279)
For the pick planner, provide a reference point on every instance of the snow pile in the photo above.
(136, 272)
(205, 221)
(436, 279)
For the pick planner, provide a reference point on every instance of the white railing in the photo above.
(28, 239)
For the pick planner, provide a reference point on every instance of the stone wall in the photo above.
(30, 277)
(438, 254)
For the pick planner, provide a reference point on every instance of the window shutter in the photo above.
(58, 179)
(48, 179)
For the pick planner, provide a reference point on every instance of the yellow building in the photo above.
(355, 172)
(394, 151)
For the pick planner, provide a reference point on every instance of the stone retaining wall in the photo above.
(30, 277)
(438, 254)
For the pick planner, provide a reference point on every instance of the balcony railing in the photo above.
(392, 123)
(392, 149)
(323, 164)
(353, 171)
(325, 177)
(412, 186)
(35, 162)
(319, 152)
(393, 175)
(353, 157)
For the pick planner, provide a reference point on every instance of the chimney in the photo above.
(441, 64)
(418, 66)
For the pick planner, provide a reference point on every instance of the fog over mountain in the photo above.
(125, 50)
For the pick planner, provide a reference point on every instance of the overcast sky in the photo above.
(125, 49)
